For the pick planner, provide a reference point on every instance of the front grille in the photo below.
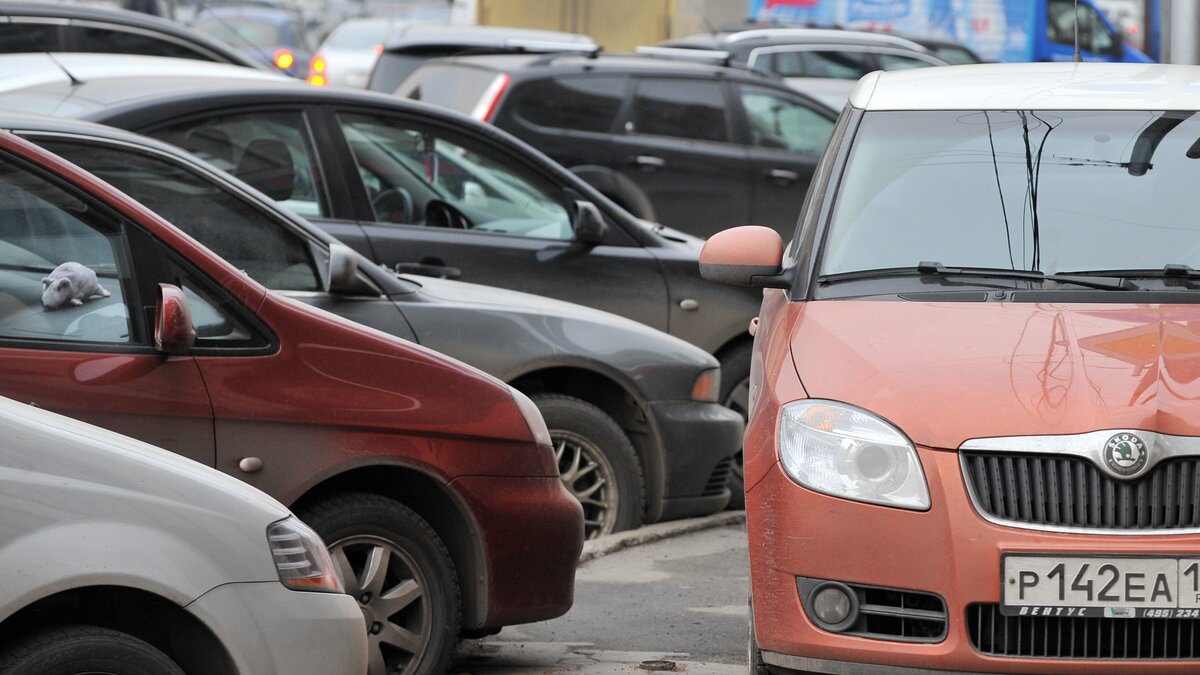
(1071, 491)
(718, 478)
(994, 634)
(889, 613)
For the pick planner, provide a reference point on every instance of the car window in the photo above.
(691, 109)
(458, 88)
(575, 103)
(240, 31)
(270, 151)
(234, 229)
(779, 121)
(842, 65)
(213, 316)
(48, 236)
(1094, 36)
(22, 37)
(114, 41)
(899, 62)
(409, 172)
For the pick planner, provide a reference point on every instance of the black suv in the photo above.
(710, 146)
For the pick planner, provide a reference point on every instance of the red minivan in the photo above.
(434, 484)
(974, 437)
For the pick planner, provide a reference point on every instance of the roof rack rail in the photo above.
(558, 46)
(714, 56)
(551, 57)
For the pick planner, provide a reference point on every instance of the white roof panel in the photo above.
(1042, 86)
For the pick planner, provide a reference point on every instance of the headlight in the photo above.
(707, 386)
(847, 452)
(301, 558)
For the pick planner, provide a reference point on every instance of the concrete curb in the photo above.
(602, 546)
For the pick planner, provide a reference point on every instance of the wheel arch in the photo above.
(619, 403)
(140, 613)
(439, 506)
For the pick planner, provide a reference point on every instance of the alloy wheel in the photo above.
(390, 590)
(589, 477)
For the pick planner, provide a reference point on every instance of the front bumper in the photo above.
(267, 628)
(531, 530)
(698, 441)
(949, 551)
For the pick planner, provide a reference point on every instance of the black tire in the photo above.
(617, 187)
(75, 649)
(735, 387)
(597, 463)
(417, 634)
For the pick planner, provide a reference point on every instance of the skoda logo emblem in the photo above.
(1125, 454)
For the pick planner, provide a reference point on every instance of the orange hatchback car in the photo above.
(974, 434)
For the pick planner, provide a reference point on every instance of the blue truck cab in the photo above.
(1000, 30)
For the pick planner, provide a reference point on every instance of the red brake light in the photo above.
(491, 98)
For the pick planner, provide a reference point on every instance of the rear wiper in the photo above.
(926, 267)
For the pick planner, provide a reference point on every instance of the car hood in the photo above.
(945, 372)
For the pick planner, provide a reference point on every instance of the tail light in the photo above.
(491, 98)
(316, 71)
(284, 59)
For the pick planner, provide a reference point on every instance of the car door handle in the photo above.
(428, 270)
(783, 176)
(649, 162)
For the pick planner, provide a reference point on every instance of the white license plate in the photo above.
(1116, 587)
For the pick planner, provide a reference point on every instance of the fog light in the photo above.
(833, 606)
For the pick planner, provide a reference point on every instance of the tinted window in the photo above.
(225, 223)
(43, 228)
(842, 65)
(109, 41)
(28, 37)
(1055, 191)
(577, 103)
(271, 151)
(453, 87)
(405, 170)
(779, 121)
(691, 109)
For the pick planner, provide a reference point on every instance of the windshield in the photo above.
(1025, 190)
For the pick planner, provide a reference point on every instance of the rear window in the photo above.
(28, 37)
(449, 86)
(241, 31)
(359, 35)
(577, 103)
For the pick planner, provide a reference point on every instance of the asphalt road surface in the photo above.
(677, 605)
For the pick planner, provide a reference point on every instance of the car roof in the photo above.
(1030, 86)
(607, 62)
(424, 35)
(37, 75)
(796, 36)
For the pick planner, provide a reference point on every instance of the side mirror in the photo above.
(589, 224)
(744, 256)
(173, 330)
(343, 269)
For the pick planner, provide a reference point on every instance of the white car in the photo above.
(347, 56)
(122, 558)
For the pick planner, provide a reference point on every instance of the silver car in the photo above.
(122, 558)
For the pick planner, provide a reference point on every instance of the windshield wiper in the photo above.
(925, 268)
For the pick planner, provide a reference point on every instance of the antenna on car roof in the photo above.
(74, 80)
(1078, 58)
(712, 30)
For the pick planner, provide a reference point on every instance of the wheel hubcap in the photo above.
(587, 474)
(390, 592)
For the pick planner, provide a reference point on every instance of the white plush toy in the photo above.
(70, 284)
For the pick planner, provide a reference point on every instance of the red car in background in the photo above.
(434, 484)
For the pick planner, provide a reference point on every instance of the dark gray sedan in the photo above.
(631, 410)
(426, 190)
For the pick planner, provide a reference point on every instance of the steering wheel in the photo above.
(394, 205)
(443, 214)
